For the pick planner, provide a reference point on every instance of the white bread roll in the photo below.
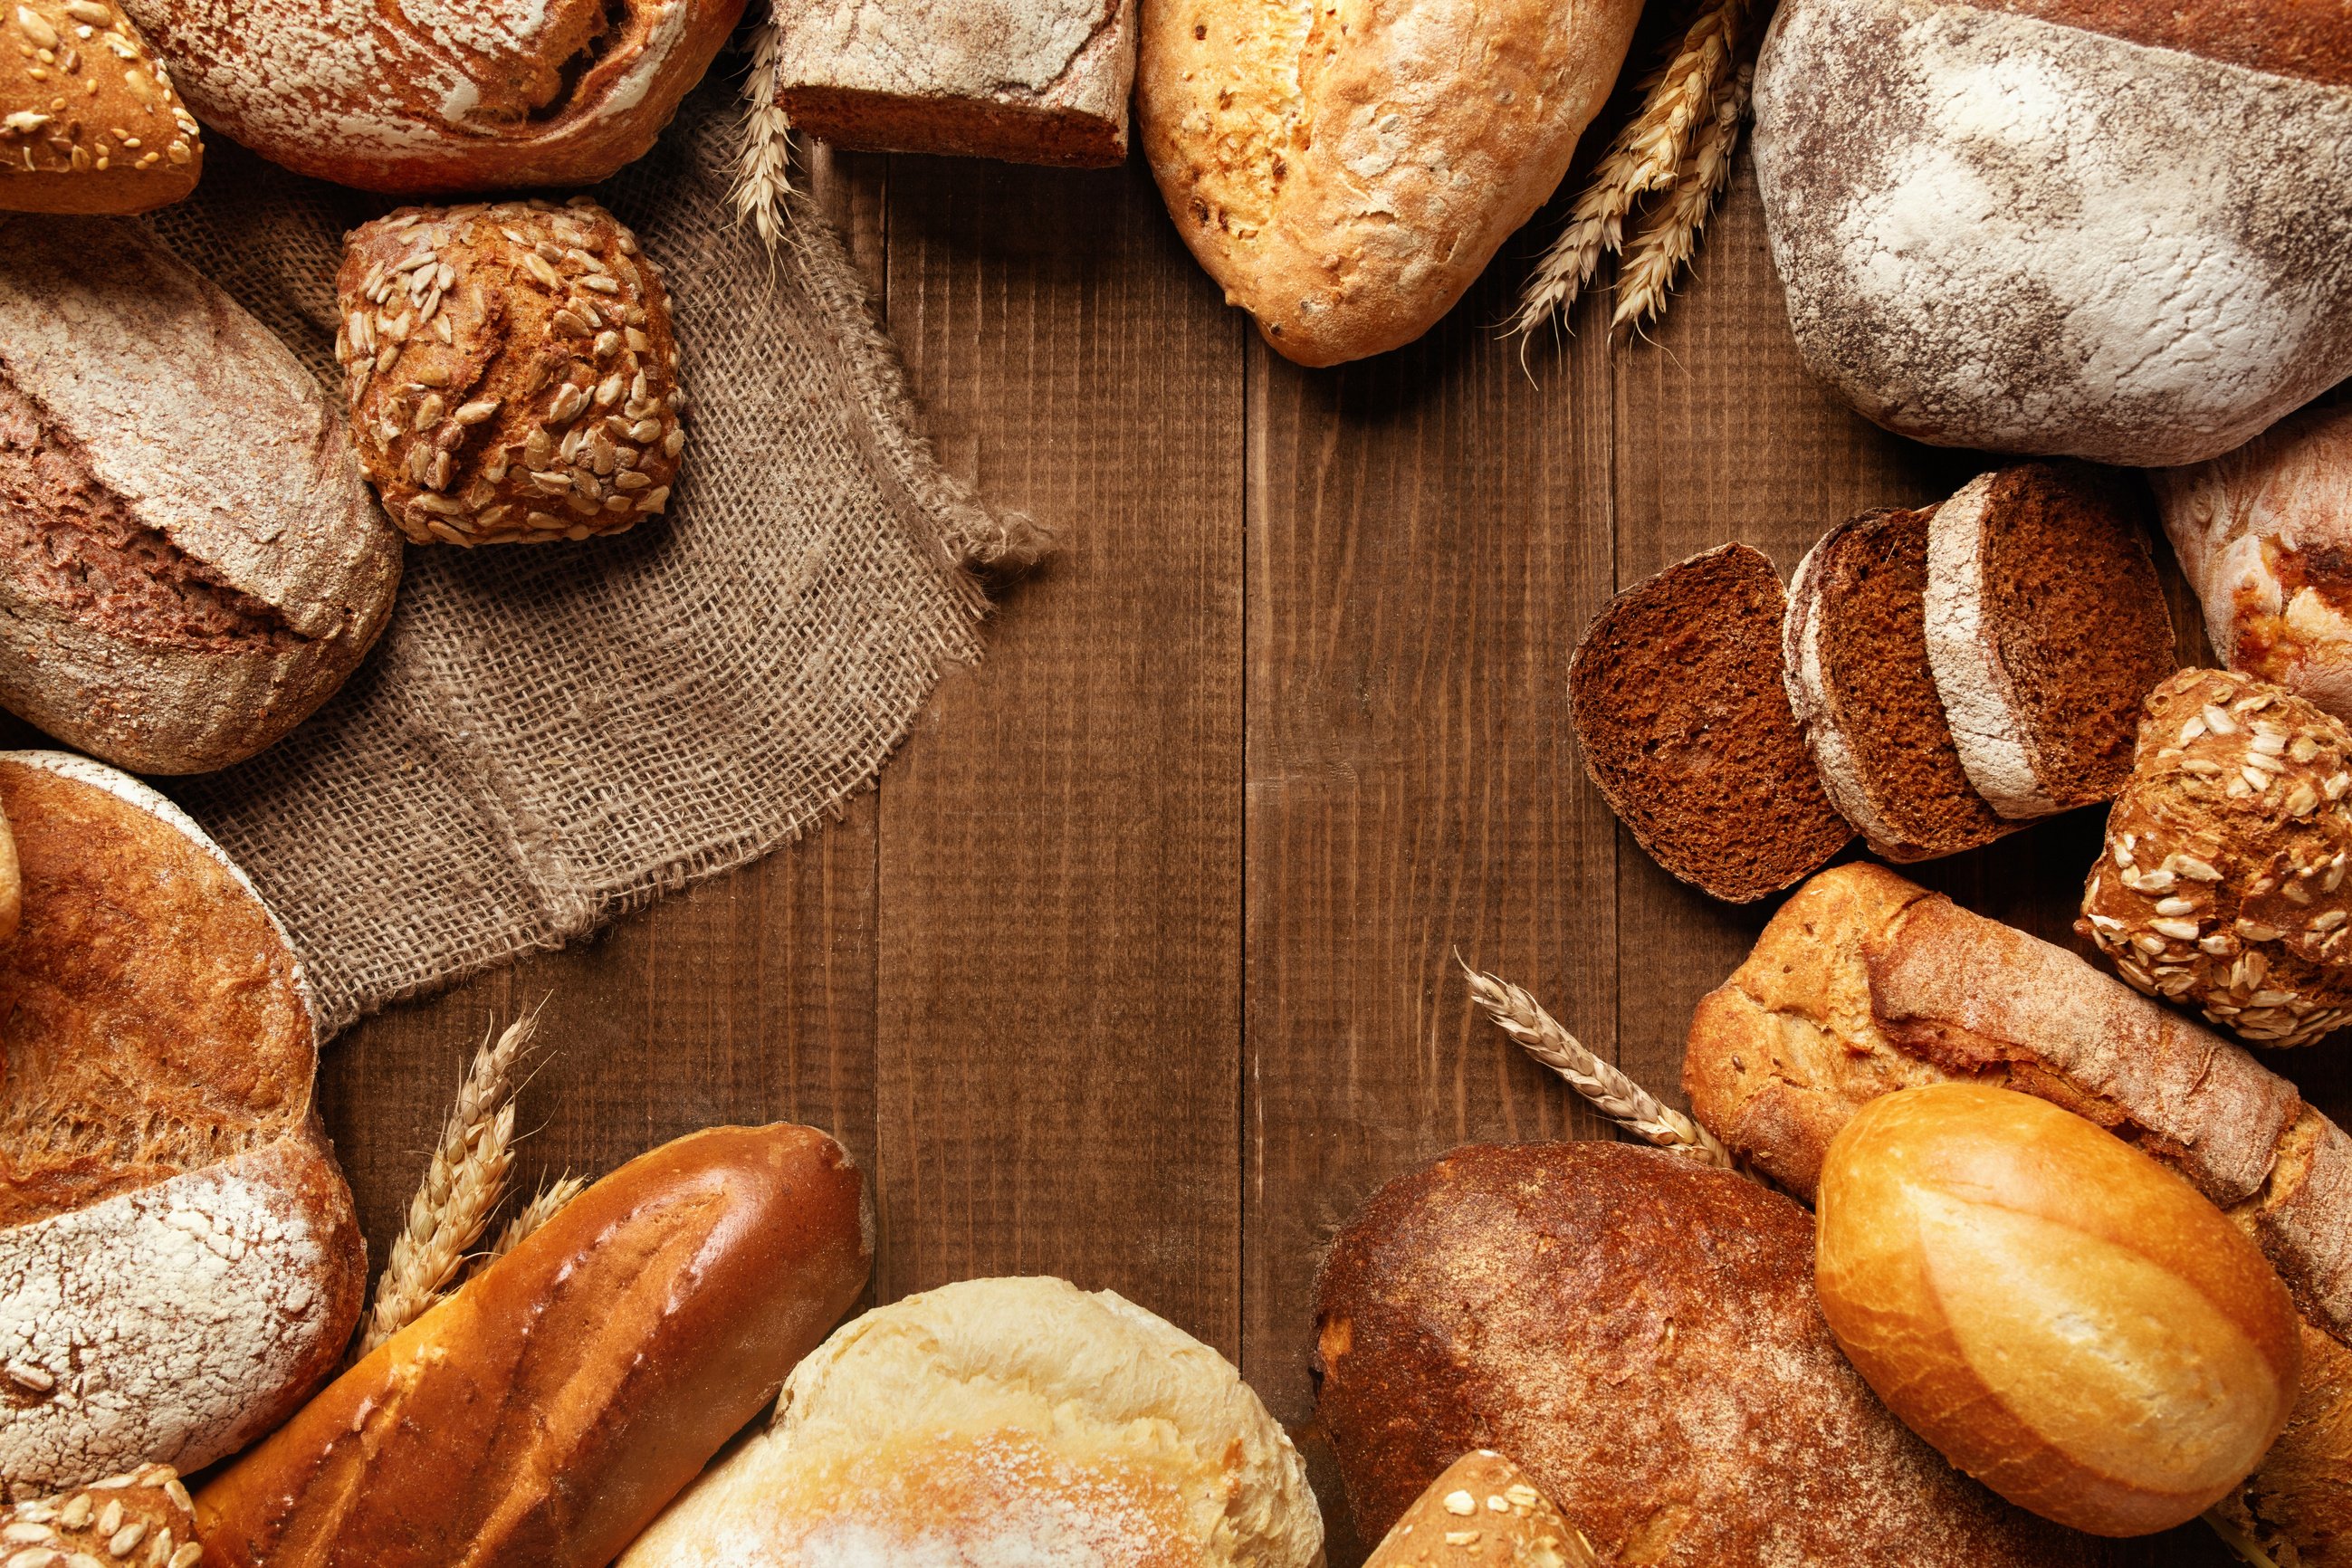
(1003, 1421)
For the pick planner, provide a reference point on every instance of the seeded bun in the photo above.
(510, 372)
(144, 1517)
(88, 122)
(1004, 1420)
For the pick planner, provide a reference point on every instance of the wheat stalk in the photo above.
(1611, 1092)
(1663, 247)
(763, 166)
(543, 1207)
(463, 1183)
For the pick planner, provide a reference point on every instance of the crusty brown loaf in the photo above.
(1482, 1512)
(510, 370)
(547, 1411)
(88, 121)
(1640, 1333)
(2223, 886)
(1346, 170)
(439, 95)
(179, 1257)
(2306, 38)
(141, 1519)
(189, 562)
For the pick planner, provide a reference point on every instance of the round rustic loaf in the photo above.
(1638, 1333)
(510, 372)
(88, 122)
(2116, 231)
(189, 562)
(179, 1258)
(440, 95)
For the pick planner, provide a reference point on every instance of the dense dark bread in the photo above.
(1640, 1333)
(1686, 728)
(2045, 627)
(1856, 656)
(2306, 38)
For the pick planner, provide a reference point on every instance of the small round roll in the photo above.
(2063, 1318)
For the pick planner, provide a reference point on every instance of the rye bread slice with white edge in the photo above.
(1679, 710)
(1854, 651)
(2046, 629)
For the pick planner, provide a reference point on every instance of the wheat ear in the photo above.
(1611, 1092)
(1651, 154)
(544, 1205)
(763, 165)
(463, 1183)
(1666, 242)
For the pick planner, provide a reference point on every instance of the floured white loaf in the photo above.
(2090, 228)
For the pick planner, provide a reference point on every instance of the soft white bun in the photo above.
(1003, 1421)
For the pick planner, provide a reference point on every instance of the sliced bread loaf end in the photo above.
(1677, 695)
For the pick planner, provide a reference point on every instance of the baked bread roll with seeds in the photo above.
(511, 371)
(2264, 535)
(1014, 1421)
(1854, 653)
(440, 95)
(179, 1257)
(1482, 1512)
(2223, 883)
(189, 562)
(1684, 728)
(2080, 227)
(2046, 627)
(88, 122)
(141, 1518)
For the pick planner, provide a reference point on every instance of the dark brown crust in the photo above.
(1684, 727)
(545, 1413)
(1638, 1333)
(1018, 133)
(2307, 38)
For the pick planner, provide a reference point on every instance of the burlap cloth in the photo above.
(549, 735)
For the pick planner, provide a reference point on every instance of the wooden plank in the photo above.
(1061, 843)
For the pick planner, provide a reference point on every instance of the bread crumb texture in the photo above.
(1997, 231)
(972, 48)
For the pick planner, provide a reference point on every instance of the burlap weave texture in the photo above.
(549, 735)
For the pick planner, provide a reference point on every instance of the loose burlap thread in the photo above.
(549, 735)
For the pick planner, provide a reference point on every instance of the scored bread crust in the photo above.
(1979, 704)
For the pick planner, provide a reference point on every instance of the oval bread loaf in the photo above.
(88, 122)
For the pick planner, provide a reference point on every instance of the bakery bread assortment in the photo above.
(2062, 1316)
(191, 563)
(2103, 230)
(1346, 173)
(88, 121)
(453, 95)
(2263, 534)
(1481, 1511)
(1004, 1421)
(545, 1412)
(2222, 885)
(510, 370)
(1685, 729)
(140, 1519)
(1638, 1332)
(1028, 83)
(179, 1257)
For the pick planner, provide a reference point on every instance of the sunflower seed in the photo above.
(2220, 722)
(570, 400)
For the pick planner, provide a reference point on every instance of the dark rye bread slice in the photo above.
(1856, 651)
(1677, 695)
(2046, 628)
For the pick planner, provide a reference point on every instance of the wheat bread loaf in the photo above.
(439, 95)
(1640, 1334)
(179, 1256)
(189, 562)
(1854, 655)
(1684, 728)
(2264, 536)
(1029, 83)
(510, 370)
(1481, 1511)
(142, 1518)
(1346, 170)
(88, 121)
(2045, 626)
(2080, 227)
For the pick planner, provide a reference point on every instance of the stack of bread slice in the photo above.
(1932, 679)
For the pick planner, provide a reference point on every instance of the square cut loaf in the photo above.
(1041, 82)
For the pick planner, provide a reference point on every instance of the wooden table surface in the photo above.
(1139, 968)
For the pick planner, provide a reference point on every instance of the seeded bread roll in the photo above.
(510, 372)
(2223, 884)
(88, 122)
(1482, 1512)
(440, 95)
(142, 1519)
(179, 1257)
